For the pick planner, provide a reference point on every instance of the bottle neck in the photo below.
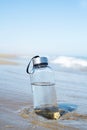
(41, 65)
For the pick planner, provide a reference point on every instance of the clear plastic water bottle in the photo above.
(43, 86)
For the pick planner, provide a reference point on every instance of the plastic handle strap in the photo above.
(27, 70)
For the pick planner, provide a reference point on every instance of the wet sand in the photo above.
(14, 116)
(16, 106)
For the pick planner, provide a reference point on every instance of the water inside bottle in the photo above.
(45, 101)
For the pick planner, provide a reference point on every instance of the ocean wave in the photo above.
(71, 62)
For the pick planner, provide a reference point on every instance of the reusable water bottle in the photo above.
(43, 87)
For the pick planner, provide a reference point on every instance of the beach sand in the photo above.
(16, 106)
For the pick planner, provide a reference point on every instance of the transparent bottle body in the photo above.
(43, 87)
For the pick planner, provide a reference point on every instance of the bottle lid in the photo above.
(37, 61)
(40, 61)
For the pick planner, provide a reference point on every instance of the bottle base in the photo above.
(48, 112)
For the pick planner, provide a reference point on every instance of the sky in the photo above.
(43, 27)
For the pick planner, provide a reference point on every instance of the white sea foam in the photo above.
(71, 62)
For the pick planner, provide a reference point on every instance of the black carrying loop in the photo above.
(27, 69)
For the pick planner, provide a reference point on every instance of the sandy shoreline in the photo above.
(6, 59)
(8, 56)
(4, 62)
